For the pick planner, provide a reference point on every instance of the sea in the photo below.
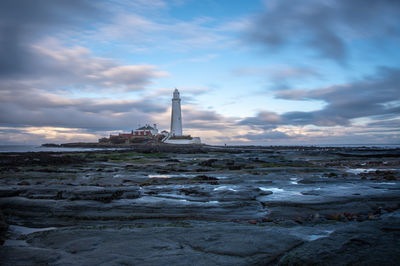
(379, 146)
(38, 148)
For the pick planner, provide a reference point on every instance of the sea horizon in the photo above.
(39, 148)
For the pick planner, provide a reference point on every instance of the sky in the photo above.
(273, 72)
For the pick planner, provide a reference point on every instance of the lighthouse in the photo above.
(175, 136)
(176, 115)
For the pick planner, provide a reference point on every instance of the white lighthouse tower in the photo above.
(176, 115)
(175, 136)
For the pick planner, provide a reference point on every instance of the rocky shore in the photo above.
(201, 205)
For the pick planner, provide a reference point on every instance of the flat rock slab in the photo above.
(227, 244)
(232, 205)
(368, 243)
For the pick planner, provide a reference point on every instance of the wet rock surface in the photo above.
(368, 243)
(3, 228)
(201, 205)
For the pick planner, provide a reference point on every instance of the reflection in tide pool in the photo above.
(170, 176)
(159, 176)
(22, 230)
(280, 193)
(273, 189)
(225, 188)
(357, 171)
(315, 237)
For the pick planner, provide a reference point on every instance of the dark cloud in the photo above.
(393, 124)
(374, 96)
(39, 99)
(325, 26)
(264, 119)
(59, 67)
(202, 115)
(69, 117)
(35, 108)
(144, 106)
(34, 99)
(311, 136)
(23, 22)
(204, 120)
(265, 136)
(369, 97)
(37, 72)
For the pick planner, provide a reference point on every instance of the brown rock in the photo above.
(24, 183)
(267, 220)
(334, 216)
(298, 219)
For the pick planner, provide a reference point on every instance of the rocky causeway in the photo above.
(201, 205)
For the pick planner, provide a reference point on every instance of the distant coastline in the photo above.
(84, 146)
(123, 145)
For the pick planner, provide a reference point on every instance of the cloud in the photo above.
(121, 106)
(144, 33)
(188, 95)
(312, 135)
(25, 118)
(130, 77)
(280, 75)
(278, 72)
(35, 108)
(325, 26)
(193, 118)
(23, 22)
(264, 119)
(265, 136)
(391, 124)
(27, 51)
(47, 86)
(370, 97)
(40, 76)
(76, 67)
(185, 92)
(44, 97)
(40, 135)
(364, 98)
(138, 5)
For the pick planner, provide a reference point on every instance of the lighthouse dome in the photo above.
(176, 94)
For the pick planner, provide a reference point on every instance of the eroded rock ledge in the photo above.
(205, 205)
